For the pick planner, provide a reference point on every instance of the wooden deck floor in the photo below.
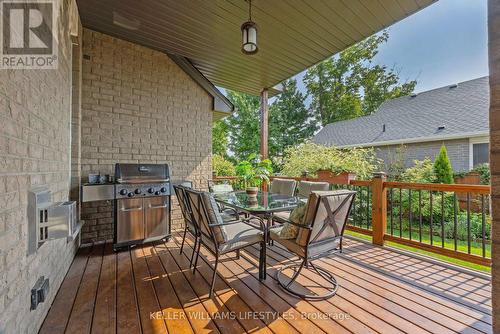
(150, 290)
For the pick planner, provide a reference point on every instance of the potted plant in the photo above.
(253, 174)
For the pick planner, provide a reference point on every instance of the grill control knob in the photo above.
(130, 194)
(151, 190)
(157, 193)
(123, 192)
(163, 189)
(138, 191)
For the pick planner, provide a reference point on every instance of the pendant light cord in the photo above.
(250, 9)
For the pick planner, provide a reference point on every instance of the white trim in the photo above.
(419, 140)
(472, 141)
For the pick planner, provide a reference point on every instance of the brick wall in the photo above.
(35, 109)
(138, 106)
(494, 60)
(458, 152)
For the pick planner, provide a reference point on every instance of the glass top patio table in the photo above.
(264, 203)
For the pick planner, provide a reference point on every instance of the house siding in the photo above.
(458, 152)
(35, 117)
(139, 107)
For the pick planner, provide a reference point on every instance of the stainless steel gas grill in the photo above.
(142, 203)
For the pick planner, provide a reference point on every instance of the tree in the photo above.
(290, 122)
(243, 125)
(442, 167)
(350, 85)
(220, 138)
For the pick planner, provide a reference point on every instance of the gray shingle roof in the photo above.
(462, 110)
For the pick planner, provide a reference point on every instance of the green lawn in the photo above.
(431, 254)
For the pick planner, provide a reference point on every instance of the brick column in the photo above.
(494, 63)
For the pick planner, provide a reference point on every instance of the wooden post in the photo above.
(494, 79)
(379, 208)
(264, 124)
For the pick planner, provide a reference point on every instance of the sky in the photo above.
(442, 44)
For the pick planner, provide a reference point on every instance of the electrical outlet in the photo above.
(39, 292)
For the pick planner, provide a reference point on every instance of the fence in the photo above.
(449, 219)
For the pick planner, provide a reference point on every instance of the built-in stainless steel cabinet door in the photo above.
(130, 222)
(156, 216)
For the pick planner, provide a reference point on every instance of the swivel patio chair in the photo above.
(220, 237)
(189, 224)
(319, 236)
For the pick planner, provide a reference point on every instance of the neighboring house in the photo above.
(414, 127)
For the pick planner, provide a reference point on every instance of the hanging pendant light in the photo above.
(249, 34)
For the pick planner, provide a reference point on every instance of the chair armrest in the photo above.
(225, 223)
(260, 220)
(234, 211)
(287, 221)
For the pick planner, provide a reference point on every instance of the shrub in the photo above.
(484, 172)
(442, 167)
(421, 172)
(222, 167)
(313, 157)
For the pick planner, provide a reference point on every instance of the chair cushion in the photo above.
(316, 219)
(306, 187)
(290, 231)
(222, 188)
(214, 217)
(292, 246)
(283, 187)
(240, 235)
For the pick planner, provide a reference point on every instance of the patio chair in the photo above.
(220, 237)
(189, 224)
(306, 187)
(283, 187)
(221, 188)
(320, 235)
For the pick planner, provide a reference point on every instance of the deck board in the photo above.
(381, 291)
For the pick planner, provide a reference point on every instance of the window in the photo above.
(480, 153)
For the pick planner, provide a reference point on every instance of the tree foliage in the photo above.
(220, 138)
(222, 166)
(313, 157)
(351, 85)
(442, 167)
(290, 122)
(243, 125)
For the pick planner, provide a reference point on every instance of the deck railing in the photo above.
(448, 219)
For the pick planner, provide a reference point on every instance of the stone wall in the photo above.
(139, 107)
(35, 117)
(458, 152)
(494, 60)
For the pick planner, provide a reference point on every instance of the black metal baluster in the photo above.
(420, 215)
(442, 219)
(410, 213)
(354, 213)
(455, 221)
(483, 225)
(468, 223)
(392, 211)
(400, 213)
(431, 217)
(367, 207)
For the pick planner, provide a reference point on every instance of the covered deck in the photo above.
(150, 289)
